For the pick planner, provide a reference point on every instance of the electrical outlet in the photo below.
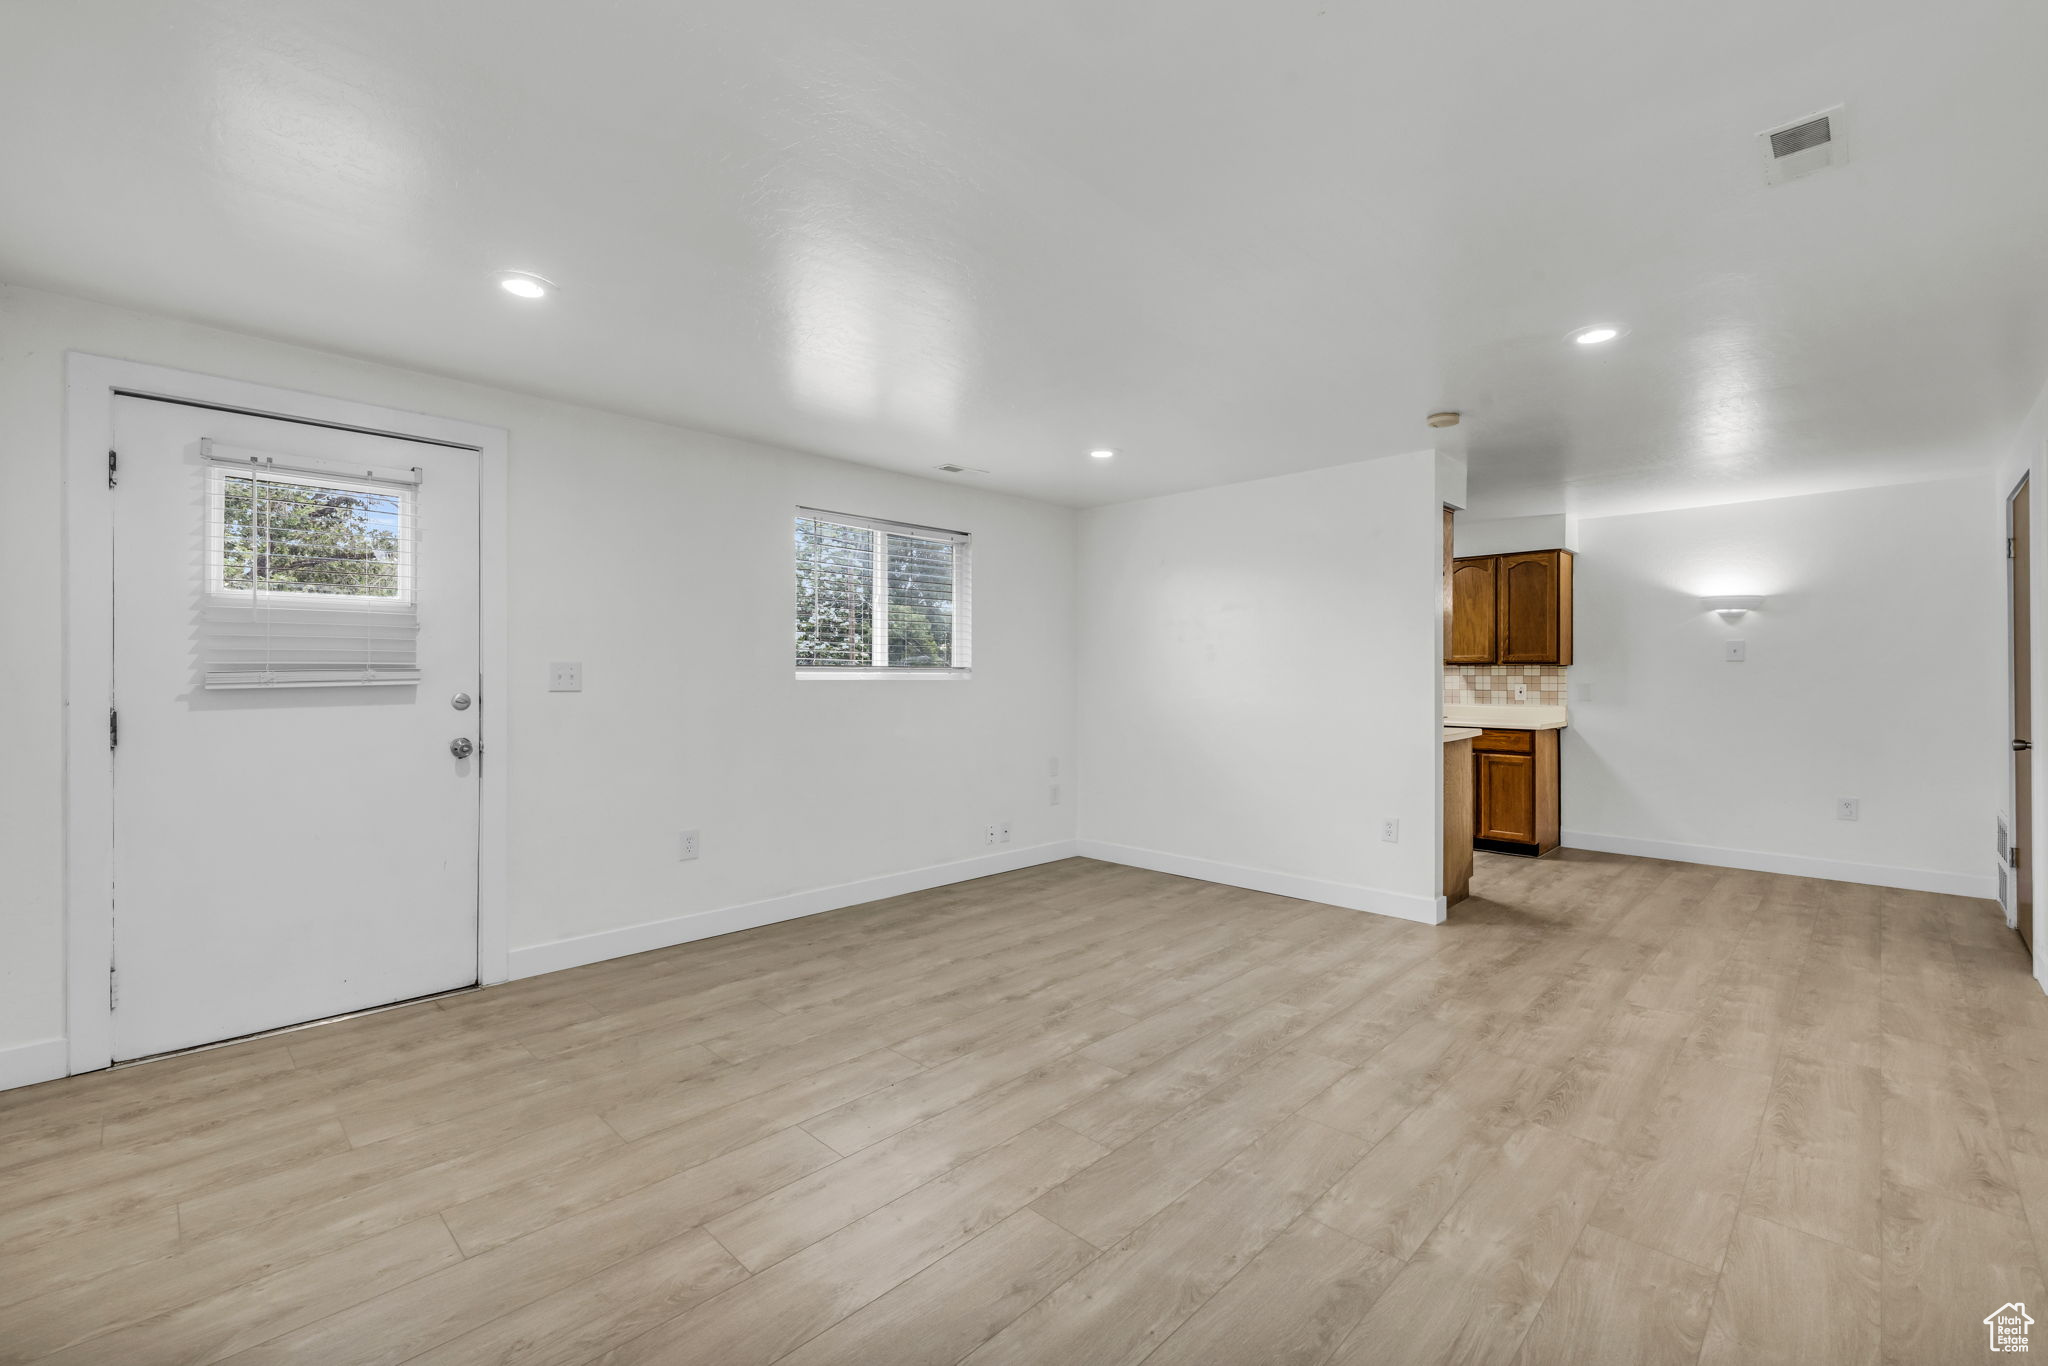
(689, 845)
(1003, 833)
(1055, 794)
(565, 678)
(1735, 651)
(1521, 692)
(1848, 809)
(1390, 830)
(988, 836)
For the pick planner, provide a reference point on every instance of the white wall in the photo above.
(1508, 535)
(657, 556)
(1873, 672)
(1259, 683)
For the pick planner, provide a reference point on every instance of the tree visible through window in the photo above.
(293, 537)
(835, 596)
(309, 580)
(874, 595)
(920, 603)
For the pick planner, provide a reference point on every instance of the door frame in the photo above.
(2008, 505)
(91, 386)
(2023, 837)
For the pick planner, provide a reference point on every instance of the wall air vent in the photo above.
(1800, 148)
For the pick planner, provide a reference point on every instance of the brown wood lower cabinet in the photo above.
(1515, 791)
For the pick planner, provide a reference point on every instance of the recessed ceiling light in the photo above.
(1102, 454)
(1593, 336)
(524, 284)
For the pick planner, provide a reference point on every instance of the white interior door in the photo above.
(295, 612)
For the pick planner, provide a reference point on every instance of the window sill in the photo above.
(922, 675)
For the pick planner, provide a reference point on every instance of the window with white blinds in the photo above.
(310, 578)
(879, 598)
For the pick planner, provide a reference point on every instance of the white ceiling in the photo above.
(1230, 238)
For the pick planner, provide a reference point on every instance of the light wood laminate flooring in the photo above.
(1617, 1110)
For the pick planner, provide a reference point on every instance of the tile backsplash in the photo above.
(1494, 684)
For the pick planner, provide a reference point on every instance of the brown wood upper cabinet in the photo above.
(1511, 609)
(1473, 638)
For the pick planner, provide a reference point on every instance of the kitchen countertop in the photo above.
(1522, 717)
(1460, 733)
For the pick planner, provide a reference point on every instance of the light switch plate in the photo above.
(564, 677)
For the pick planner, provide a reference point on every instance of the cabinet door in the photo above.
(1535, 608)
(1506, 788)
(1473, 604)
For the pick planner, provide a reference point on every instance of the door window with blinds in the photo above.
(879, 599)
(309, 574)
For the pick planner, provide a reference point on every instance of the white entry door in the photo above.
(295, 615)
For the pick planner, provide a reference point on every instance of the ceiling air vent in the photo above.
(1811, 144)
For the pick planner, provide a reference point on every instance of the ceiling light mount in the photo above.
(1102, 453)
(1598, 334)
(1444, 419)
(524, 284)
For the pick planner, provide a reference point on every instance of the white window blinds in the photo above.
(310, 579)
(878, 596)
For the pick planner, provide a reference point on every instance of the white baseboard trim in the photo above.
(536, 959)
(25, 1064)
(1429, 910)
(1795, 865)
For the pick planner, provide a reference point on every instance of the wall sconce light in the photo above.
(1732, 607)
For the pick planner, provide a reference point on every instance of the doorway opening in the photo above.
(2019, 524)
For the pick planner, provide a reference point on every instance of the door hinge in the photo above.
(2015, 857)
(113, 988)
(113, 468)
(2009, 549)
(113, 729)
